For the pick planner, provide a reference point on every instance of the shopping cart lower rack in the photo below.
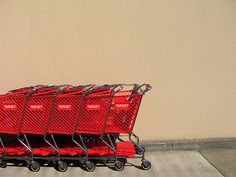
(85, 124)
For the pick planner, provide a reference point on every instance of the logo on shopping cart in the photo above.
(35, 107)
(122, 106)
(9, 107)
(93, 107)
(65, 107)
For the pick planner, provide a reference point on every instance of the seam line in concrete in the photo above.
(211, 164)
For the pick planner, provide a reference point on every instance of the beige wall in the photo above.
(186, 49)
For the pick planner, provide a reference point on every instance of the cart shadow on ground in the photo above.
(70, 165)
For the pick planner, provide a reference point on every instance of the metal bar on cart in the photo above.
(83, 146)
(21, 123)
(55, 147)
(111, 145)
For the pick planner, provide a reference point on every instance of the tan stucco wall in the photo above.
(185, 49)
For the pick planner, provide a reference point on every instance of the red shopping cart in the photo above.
(81, 123)
(62, 120)
(11, 111)
(122, 117)
(36, 112)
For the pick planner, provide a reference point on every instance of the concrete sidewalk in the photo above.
(164, 164)
(223, 159)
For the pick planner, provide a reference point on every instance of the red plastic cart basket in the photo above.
(124, 109)
(65, 110)
(11, 108)
(94, 111)
(37, 110)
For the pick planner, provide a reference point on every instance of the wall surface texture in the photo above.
(185, 49)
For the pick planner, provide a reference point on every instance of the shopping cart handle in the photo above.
(64, 87)
(21, 90)
(89, 89)
(117, 88)
(113, 88)
(44, 90)
(144, 88)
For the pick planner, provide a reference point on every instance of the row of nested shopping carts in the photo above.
(87, 124)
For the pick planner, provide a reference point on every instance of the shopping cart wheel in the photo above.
(62, 166)
(3, 164)
(146, 165)
(119, 166)
(34, 166)
(90, 166)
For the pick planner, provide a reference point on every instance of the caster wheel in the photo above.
(90, 166)
(34, 166)
(62, 166)
(3, 165)
(146, 165)
(119, 166)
